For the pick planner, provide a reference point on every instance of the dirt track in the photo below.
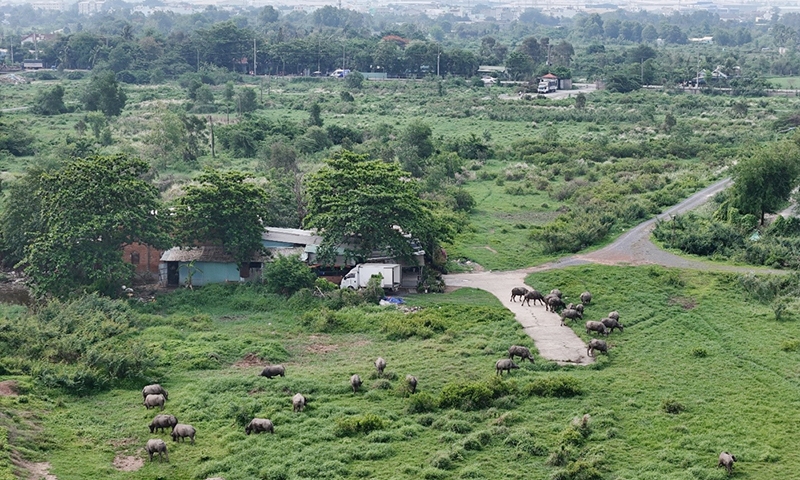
(561, 344)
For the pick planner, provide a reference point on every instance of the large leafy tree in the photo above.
(50, 101)
(764, 179)
(223, 208)
(88, 210)
(104, 94)
(368, 205)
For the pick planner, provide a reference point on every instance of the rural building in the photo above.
(32, 64)
(34, 38)
(197, 266)
(210, 264)
(493, 70)
(145, 260)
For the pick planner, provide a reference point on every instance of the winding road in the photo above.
(561, 344)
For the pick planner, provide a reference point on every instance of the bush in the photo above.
(287, 275)
(361, 424)
(466, 396)
(563, 387)
(699, 352)
(80, 345)
(672, 406)
(578, 470)
(422, 402)
(792, 345)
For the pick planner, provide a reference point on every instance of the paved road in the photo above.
(561, 344)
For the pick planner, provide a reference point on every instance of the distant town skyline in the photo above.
(499, 10)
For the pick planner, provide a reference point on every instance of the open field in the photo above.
(700, 368)
(544, 159)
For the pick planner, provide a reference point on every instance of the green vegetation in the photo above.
(653, 397)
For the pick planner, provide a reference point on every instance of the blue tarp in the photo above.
(395, 300)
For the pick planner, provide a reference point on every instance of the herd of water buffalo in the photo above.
(156, 396)
(554, 302)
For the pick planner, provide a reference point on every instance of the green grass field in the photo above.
(700, 368)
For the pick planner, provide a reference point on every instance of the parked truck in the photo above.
(547, 85)
(360, 274)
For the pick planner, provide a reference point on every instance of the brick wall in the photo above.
(145, 258)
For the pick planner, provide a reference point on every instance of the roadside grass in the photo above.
(700, 368)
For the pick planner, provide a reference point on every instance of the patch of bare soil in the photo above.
(251, 360)
(684, 302)
(9, 388)
(321, 344)
(319, 348)
(122, 442)
(36, 471)
(230, 318)
(127, 463)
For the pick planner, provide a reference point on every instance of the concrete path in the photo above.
(553, 341)
(561, 344)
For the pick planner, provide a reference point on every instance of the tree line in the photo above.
(148, 49)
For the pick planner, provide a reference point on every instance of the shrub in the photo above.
(699, 352)
(792, 345)
(287, 275)
(465, 396)
(554, 387)
(361, 424)
(422, 402)
(578, 470)
(672, 406)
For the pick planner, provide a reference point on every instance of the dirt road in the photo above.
(561, 344)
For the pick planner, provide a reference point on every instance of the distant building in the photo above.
(37, 37)
(90, 8)
(49, 5)
(708, 40)
(32, 64)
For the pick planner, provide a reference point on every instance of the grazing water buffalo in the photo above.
(726, 460)
(505, 364)
(518, 292)
(273, 371)
(156, 445)
(258, 425)
(533, 295)
(596, 344)
(519, 351)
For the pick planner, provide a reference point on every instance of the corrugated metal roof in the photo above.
(210, 254)
(294, 236)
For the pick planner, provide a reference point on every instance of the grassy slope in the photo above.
(740, 397)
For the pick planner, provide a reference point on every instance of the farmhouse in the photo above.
(203, 265)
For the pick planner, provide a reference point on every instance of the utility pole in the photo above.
(255, 68)
(211, 127)
(438, 55)
(36, 43)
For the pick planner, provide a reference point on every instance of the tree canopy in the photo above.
(105, 94)
(765, 177)
(88, 210)
(222, 208)
(365, 205)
